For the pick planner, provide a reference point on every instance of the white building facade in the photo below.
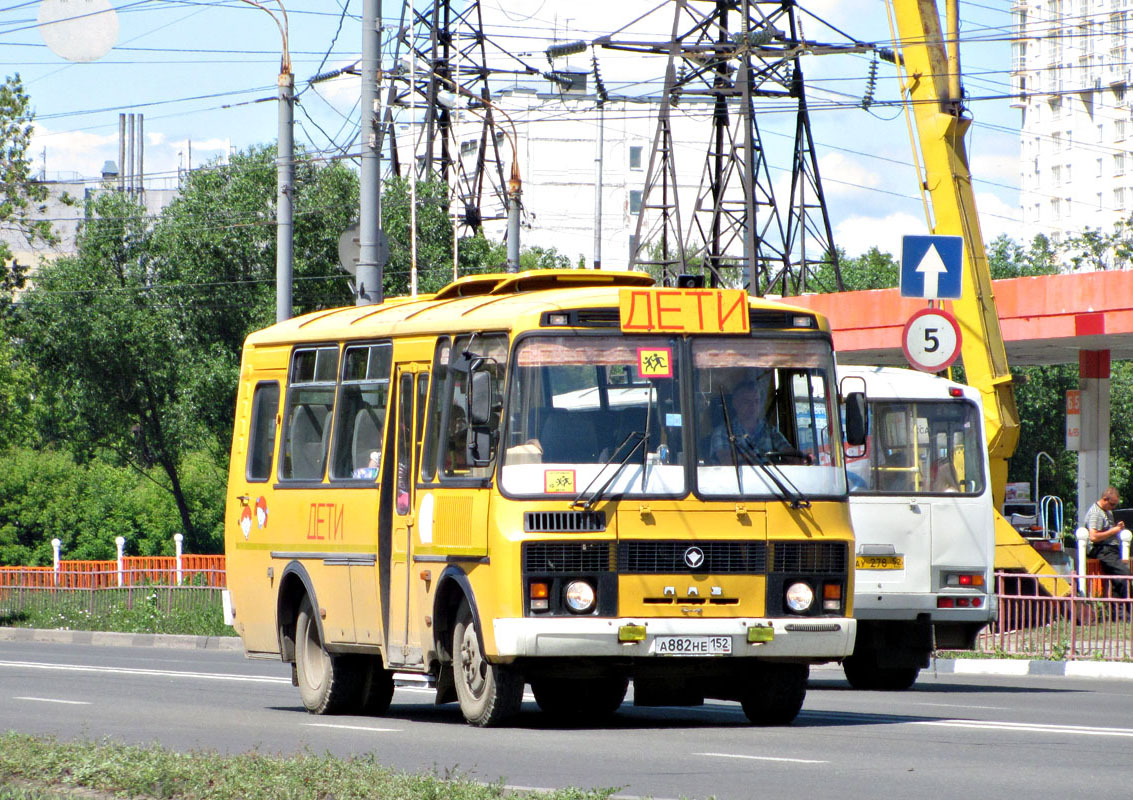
(1072, 78)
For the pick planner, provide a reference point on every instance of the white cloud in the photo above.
(73, 152)
(997, 217)
(857, 234)
(842, 174)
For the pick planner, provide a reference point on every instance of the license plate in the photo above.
(880, 562)
(692, 645)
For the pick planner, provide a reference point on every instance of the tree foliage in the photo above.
(20, 196)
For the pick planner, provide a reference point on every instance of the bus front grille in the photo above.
(564, 522)
(543, 558)
(813, 558)
(715, 558)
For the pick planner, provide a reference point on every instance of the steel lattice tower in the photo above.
(451, 54)
(735, 54)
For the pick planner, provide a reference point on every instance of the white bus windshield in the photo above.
(919, 447)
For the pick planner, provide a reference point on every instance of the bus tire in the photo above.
(580, 698)
(328, 684)
(488, 693)
(774, 693)
(868, 676)
(377, 687)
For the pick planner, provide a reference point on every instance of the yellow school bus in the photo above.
(543, 478)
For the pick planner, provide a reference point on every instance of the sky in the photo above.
(203, 73)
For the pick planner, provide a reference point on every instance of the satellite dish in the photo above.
(350, 249)
(78, 30)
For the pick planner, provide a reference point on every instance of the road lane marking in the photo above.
(159, 673)
(351, 727)
(962, 705)
(54, 700)
(761, 758)
(991, 725)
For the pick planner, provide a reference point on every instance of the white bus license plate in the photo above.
(692, 645)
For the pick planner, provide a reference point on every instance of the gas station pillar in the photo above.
(1093, 455)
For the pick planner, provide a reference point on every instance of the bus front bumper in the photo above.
(812, 638)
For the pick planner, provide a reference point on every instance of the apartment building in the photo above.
(1071, 79)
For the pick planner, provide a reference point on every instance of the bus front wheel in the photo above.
(327, 683)
(774, 693)
(488, 693)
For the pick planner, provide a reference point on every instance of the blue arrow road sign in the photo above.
(931, 266)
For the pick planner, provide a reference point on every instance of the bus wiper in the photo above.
(781, 481)
(731, 438)
(638, 438)
(756, 459)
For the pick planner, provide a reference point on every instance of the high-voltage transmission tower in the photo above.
(734, 54)
(446, 45)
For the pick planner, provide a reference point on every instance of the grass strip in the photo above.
(34, 768)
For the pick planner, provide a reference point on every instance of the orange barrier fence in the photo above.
(198, 570)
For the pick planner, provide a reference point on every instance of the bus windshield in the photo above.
(765, 418)
(628, 416)
(582, 404)
(920, 447)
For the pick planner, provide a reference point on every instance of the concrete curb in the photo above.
(1118, 670)
(109, 639)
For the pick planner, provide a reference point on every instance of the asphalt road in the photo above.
(960, 736)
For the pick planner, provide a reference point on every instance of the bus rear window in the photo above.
(261, 438)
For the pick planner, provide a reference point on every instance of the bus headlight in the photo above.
(579, 597)
(800, 597)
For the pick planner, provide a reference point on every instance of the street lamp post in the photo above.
(284, 167)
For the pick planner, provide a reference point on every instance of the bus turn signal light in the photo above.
(538, 593)
(831, 596)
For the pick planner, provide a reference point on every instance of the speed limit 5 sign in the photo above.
(931, 340)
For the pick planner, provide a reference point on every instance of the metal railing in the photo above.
(1095, 625)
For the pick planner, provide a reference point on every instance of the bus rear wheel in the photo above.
(328, 684)
(867, 675)
(774, 693)
(488, 693)
(580, 698)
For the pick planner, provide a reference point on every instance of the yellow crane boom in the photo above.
(929, 66)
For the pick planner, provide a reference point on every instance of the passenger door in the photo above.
(403, 639)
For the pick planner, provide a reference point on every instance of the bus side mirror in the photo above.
(857, 423)
(480, 397)
(480, 432)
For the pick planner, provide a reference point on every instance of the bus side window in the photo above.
(363, 398)
(310, 399)
(261, 436)
(404, 443)
(446, 440)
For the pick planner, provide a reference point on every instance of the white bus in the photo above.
(923, 520)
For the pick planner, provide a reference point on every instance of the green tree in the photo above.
(213, 253)
(113, 347)
(20, 196)
(871, 270)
